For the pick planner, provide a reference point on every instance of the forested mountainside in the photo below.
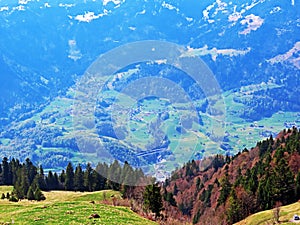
(218, 189)
(223, 189)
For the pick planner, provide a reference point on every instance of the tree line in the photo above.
(29, 181)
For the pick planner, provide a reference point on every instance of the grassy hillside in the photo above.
(266, 217)
(63, 207)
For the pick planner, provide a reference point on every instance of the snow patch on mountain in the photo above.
(4, 8)
(292, 56)
(169, 6)
(275, 10)
(18, 8)
(23, 2)
(253, 23)
(214, 52)
(66, 5)
(219, 6)
(89, 16)
(74, 52)
(237, 15)
(116, 2)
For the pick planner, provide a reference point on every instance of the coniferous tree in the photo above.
(153, 199)
(41, 179)
(225, 190)
(5, 172)
(283, 183)
(87, 178)
(56, 182)
(22, 183)
(124, 172)
(114, 172)
(198, 182)
(233, 213)
(38, 195)
(62, 179)
(196, 217)
(175, 189)
(14, 165)
(50, 180)
(25, 182)
(31, 170)
(297, 186)
(128, 180)
(69, 182)
(78, 179)
(30, 194)
(265, 191)
(97, 185)
(102, 170)
(170, 198)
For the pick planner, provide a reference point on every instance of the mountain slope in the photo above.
(47, 47)
(224, 190)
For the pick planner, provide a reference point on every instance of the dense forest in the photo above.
(29, 180)
(226, 189)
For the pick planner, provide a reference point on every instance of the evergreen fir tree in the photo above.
(87, 178)
(62, 178)
(196, 217)
(56, 182)
(175, 189)
(283, 183)
(153, 199)
(41, 179)
(5, 172)
(69, 182)
(25, 182)
(14, 165)
(31, 170)
(233, 213)
(225, 190)
(30, 194)
(97, 183)
(78, 179)
(297, 186)
(114, 172)
(38, 195)
(50, 180)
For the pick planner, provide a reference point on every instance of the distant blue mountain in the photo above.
(252, 48)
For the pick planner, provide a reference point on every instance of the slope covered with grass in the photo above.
(267, 217)
(61, 207)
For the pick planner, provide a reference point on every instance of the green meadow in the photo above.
(62, 207)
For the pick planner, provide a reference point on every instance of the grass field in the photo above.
(63, 207)
(266, 217)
